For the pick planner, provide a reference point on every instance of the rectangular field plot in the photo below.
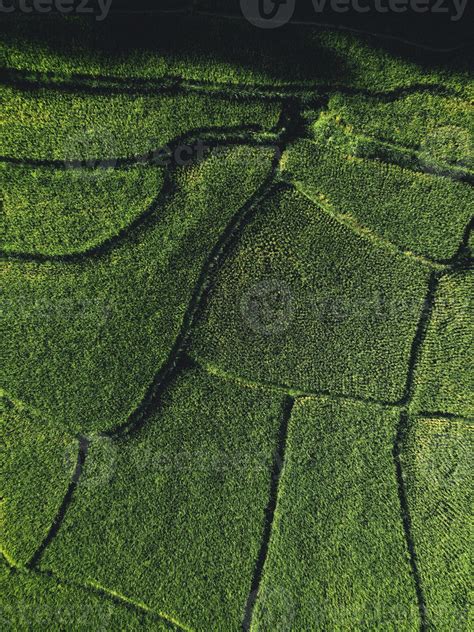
(338, 558)
(419, 213)
(437, 461)
(108, 322)
(179, 506)
(307, 304)
(444, 380)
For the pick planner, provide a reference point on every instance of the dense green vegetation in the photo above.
(91, 195)
(337, 557)
(412, 120)
(35, 602)
(236, 275)
(38, 459)
(107, 127)
(107, 323)
(302, 293)
(445, 373)
(65, 211)
(182, 514)
(417, 212)
(438, 464)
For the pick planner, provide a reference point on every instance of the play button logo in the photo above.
(268, 14)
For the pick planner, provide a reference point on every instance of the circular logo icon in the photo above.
(90, 152)
(267, 307)
(99, 466)
(274, 607)
(447, 148)
(268, 14)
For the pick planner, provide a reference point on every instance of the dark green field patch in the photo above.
(38, 459)
(181, 509)
(290, 474)
(37, 602)
(445, 376)
(437, 462)
(338, 558)
(304, 302)
(445, 151)
(107, 323)
(417, 212)
(221, 51)
(58, 211)
(440, 127)
(101, 127)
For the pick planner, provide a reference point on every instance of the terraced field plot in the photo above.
(238, 333)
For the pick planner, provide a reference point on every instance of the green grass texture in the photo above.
(438, 461)
(34, 602)
(112, 319)
(339, 512)
(299, 285)
(237, 328)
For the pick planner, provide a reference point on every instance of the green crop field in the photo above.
(237, 328)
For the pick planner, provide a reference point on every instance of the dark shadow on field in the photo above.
(289, 53)
(182, 38)
(441, 25)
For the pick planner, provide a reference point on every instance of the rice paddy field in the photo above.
(237, 328)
